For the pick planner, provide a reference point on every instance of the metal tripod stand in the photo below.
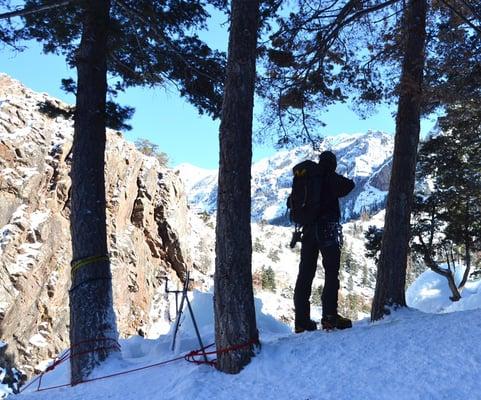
(179, 311)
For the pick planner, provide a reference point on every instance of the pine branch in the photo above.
(343, 19)
(161, 37)
(472, 9)
(34, 10)
(279, 114)
(462, 16)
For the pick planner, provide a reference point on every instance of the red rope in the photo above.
(189, 357)
(201, 352)
(112, 375)
(67, 355)
(51, 367)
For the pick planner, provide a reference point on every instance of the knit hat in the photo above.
(327, 160)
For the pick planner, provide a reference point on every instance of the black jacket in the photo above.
(334, 186)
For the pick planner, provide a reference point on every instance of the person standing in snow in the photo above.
(325, 235)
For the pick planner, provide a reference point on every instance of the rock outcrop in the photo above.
(148, 229)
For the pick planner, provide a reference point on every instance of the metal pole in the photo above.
(179, 314)
(176, 295)
(196, 330)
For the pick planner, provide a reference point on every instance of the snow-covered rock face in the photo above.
(148, 230)
(366, 158)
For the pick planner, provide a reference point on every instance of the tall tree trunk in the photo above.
(391, 274)
(467, 262)
(235, 322)
(93, 331)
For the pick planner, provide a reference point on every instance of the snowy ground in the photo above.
(409, 355)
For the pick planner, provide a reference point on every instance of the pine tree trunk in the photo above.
(92, 319)
(235, 322)
(455, 294)
(391, 274)
(447, 273)
(467, 262)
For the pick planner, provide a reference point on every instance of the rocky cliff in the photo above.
(148, 229)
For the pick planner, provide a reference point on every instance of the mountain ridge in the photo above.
(363, 157)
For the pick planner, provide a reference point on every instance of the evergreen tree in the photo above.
(353, 302)
(138, 43)
(348, 263)
(391, 274)
(373, 237)
(365, 276)
(454, 42)
(92, 318)
(235, 322)
(268, 279)
(274, 256)
(148, 44)
(316, 296)
(150, 149)
(453, 65)
(460, 181)
(449, 213)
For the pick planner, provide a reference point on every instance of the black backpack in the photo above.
(305, 201)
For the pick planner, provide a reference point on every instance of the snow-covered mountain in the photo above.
(366, 158)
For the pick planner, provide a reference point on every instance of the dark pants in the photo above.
(331, 254)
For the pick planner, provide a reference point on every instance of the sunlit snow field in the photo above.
(408, 355)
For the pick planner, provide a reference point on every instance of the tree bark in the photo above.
(467, 261)
(391, 274)
(448, 274)
(235, 322)
(93, 331)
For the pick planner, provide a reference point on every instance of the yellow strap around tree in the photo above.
(76, 265)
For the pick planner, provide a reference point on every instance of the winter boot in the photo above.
(330, 322)
(308, 325)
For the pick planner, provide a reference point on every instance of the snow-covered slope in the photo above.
(362, 157)
(430, 293)
(275, 261)
(409, 355)
(191, 175)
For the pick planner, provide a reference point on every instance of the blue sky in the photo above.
(167, 120)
